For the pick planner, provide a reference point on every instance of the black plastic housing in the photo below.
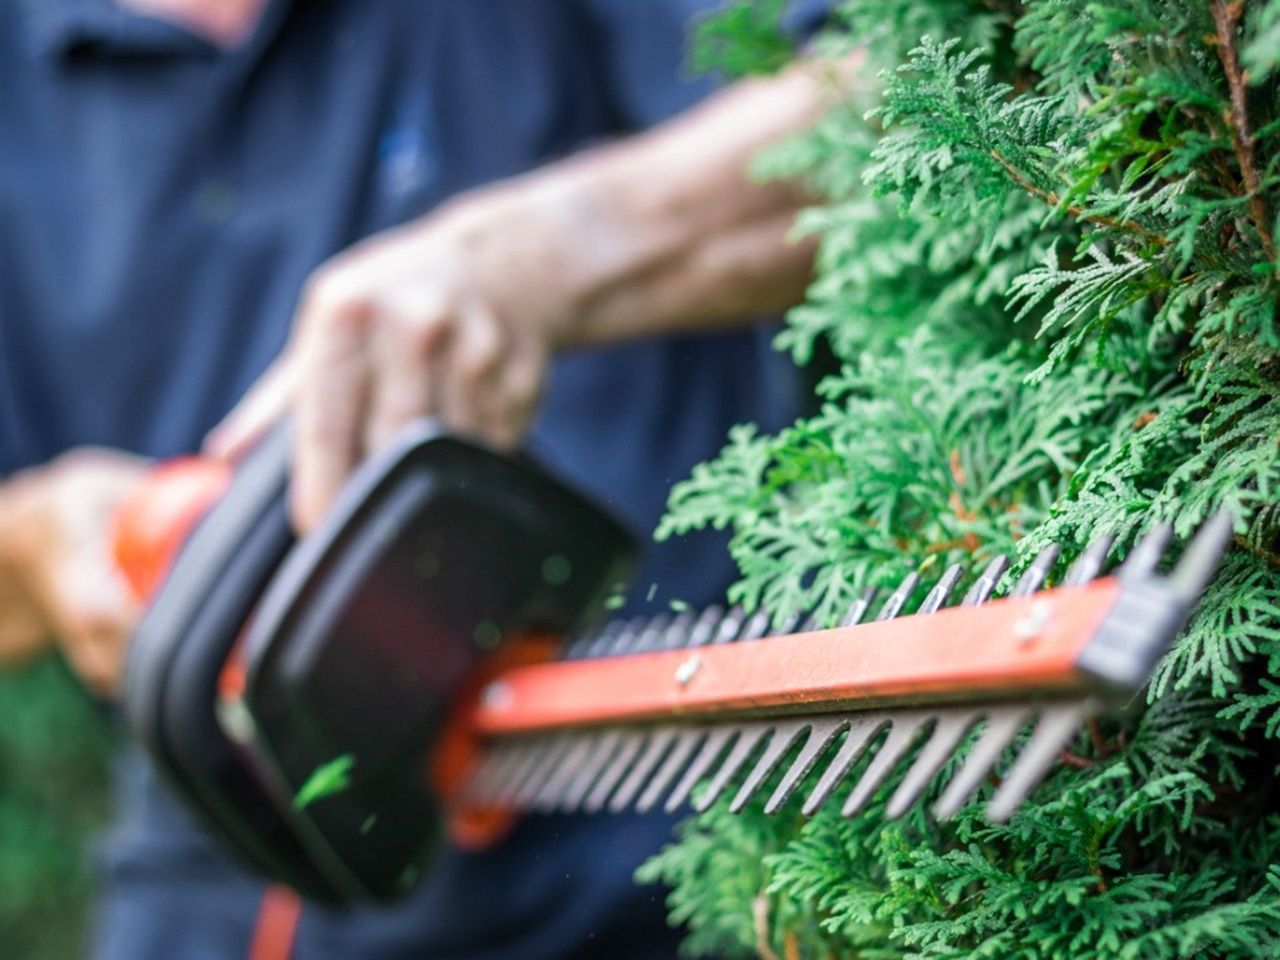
(437, 551)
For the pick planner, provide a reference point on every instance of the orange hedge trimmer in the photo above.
(330, 704)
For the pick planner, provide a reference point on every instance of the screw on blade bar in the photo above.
(612, 764)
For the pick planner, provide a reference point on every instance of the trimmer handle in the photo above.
(154, 519)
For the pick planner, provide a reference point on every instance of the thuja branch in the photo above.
(1226, 20)
(1075, 210)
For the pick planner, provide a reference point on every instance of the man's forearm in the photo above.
(666, 232)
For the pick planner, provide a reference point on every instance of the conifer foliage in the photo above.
(1048, 273)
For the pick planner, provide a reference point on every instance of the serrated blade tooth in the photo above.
(643, 633)
(527, 750)
(1203, 553)
(626, 753)
(788, 625)
(728, 629)
(858, 609)
(561, 776)
(898, 599)
(1002, 724)
(621, 640)
(704, 629)
(985, 585)
(601, 753)
(1036, 574)
(655, 749)
(599, 643)
(677, 633)
(540, 765)
(548, 768)
(822, 733)
(484, 784)
(810, 624)
(1058, 724)
(861, 730)
(717, 740)
(685, 743)
(749, 737)
(756, 627)
(901, 736)
(784, 735)
(947, 733)
(1144, 558)
(942, 589)
(1089, 564)
(654, 631)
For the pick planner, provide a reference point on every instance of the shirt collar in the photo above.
(64, 29)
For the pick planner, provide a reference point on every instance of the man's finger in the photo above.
(255, 414)
(330, 397)
(408, 353)
(522, 379)
(469, 398)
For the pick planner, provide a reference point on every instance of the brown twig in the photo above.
(760, 915)
(1270, 556)
(1075, 210)
(1226, 19)
(1067, 758)
(1096, 870)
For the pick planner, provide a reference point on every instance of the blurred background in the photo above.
(54, 747)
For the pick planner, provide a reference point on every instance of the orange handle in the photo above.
(153, 521)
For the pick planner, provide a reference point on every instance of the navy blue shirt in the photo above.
(161, 204)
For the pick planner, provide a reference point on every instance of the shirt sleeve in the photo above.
(639, 52)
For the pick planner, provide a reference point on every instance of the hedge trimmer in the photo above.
(328, 705)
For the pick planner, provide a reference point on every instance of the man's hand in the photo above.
(55, 551)
(457, 315)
